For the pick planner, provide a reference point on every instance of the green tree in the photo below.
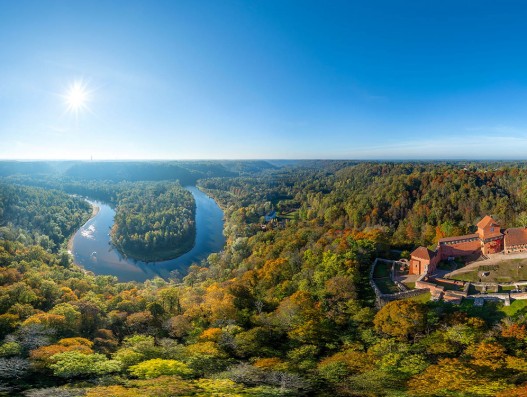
(74, 364)
(159, 367)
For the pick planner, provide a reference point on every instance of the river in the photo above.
(93, 251)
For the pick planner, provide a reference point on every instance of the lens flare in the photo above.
(77, 97)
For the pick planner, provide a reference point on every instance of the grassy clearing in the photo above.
(467, 276)
(289, 215)
(410, 285)
(505, 271)
(450, 265)
(423, 298)
(515, 307)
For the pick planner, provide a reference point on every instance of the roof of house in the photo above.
(423, 253)
(515, 236)
(486, 221)
(458, 238)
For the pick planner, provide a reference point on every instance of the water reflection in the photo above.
(93, 251)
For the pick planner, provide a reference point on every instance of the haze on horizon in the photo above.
(263, 79)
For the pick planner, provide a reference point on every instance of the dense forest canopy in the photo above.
(414, 203)
(286, 308)
(40, 216)
(154, 221)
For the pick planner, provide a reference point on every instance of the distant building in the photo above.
(489, 239)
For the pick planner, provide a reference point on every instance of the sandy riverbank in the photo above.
(94, 211)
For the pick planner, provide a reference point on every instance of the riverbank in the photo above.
(94, 211)
(93, 249)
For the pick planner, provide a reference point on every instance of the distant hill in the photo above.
(187, 172)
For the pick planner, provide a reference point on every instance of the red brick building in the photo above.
(423, 261)
(515, 240)
(490, 235)
(489, 239)
(467, 245)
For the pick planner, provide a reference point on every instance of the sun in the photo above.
(77, 97)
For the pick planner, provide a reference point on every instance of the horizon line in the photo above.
(267, 159)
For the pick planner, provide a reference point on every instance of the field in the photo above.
(500, 272)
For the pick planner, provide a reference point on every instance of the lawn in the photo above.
(423, 298)
(386, 285)
(289, 215)
(467, 276)
(474, 290)
(503, 272)
(515, 307)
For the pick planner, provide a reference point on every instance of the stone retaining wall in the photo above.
(383, 299)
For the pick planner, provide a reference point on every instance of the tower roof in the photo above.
(423, 253)
(486, 221)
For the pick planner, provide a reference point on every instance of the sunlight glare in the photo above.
(77, 97)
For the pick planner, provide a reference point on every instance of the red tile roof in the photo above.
(492, 235)
(423, 253)
(515, 236)
(486, 221)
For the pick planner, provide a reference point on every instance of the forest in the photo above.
(38, 216)
(154, 221)
(285, 309)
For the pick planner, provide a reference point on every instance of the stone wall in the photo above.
(383, 299)
(433, 288)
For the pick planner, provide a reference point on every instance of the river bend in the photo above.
(93, 250)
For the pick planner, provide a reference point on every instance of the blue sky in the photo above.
(264, 79)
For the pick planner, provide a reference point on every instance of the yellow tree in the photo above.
(402, 319)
